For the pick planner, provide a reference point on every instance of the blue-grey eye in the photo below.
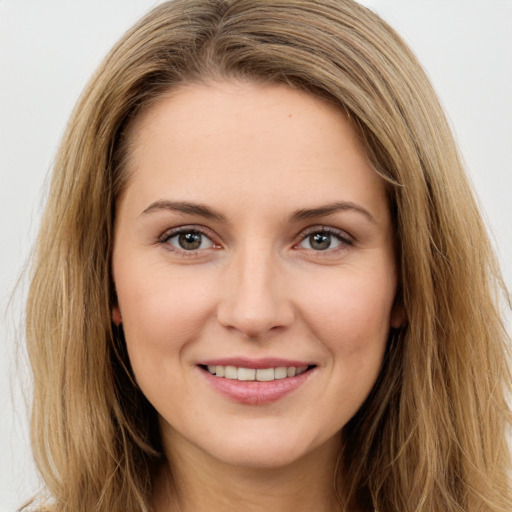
(190, 241)
(320, 241)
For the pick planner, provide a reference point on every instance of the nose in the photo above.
(255, 298)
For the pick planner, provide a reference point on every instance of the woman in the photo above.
(250, 287)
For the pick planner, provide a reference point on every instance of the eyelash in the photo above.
(342, 237)
(164, 238)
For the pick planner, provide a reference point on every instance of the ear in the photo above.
(116, 316)
(398, 317)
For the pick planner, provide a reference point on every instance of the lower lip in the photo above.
(255, 392)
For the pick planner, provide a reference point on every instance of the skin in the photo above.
(257, 287)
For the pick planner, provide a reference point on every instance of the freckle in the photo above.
(290, 115)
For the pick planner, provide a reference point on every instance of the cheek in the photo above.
(350, 313)
(161, 313)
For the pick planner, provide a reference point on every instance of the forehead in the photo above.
(247, 140)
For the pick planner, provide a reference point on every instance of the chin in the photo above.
(267, 451)
(257, 457)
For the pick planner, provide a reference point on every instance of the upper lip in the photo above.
(244, 362)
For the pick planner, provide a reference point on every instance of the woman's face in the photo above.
(255, 272)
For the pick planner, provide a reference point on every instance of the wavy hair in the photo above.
(432, 434)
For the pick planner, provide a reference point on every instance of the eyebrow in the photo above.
(185, 207)
(330, 209)
(302, 214)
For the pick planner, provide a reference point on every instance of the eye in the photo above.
(187, 240)
(324, 239)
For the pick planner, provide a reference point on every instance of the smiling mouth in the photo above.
(256, 375)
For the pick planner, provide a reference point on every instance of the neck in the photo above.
(197, 482)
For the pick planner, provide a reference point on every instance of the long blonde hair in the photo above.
(432, 434)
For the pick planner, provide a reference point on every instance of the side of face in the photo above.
(253, 234)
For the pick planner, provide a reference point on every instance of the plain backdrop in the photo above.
(49, 48)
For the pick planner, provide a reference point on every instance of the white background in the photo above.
(49, 48)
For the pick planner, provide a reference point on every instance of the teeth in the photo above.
(261, 374)
(265, 374)
(301, 369)
(246, 374)
(231, 372)
(280, 373)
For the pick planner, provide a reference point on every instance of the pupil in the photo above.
(320, 241)
(190, 241)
